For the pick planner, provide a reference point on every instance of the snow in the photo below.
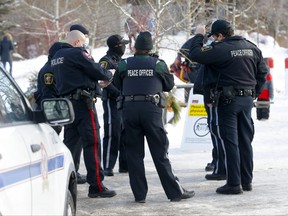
(269, 195)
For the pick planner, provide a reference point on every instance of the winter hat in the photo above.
(79, 28)
(116, 40)
(144, 41)
(54, 48)
(218, 26)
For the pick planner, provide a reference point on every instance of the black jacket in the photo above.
(235, 61)
(6, 46)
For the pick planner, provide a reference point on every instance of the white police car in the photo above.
(37, 175)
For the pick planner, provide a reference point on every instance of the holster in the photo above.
(88, 97)
(228, 94)
(215, 96)
(120, 101)
(162, 100)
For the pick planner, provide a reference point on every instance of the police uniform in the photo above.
(76, 76)
(235, 74)
(46, 87)
(112, 141)
(141, 78)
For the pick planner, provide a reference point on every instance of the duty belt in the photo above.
(244, 92)
(151, 98)
(80, 95)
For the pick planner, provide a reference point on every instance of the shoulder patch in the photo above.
(104, 64)
(87, 55)
(48, 78)
(206, 48)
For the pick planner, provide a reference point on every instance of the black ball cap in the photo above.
(116, 40)
(79, 28)
(219, 26)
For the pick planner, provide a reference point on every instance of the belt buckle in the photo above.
(156, 98)
(132, 97)
(241, 92)
(249, 92)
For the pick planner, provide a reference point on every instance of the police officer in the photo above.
(112, 141)
(76, 75)
(236, 73)
(142, 79)
(46, 87)
(81, 179)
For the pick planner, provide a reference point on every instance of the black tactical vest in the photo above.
(140, 77)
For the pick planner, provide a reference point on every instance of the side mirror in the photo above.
(58, 111)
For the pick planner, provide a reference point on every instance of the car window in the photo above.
(12, 108)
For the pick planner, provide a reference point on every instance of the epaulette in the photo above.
(250, 42)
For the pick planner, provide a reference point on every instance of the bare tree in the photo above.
(42, 23)
(167, 15)
(38, 23)
(5, 7)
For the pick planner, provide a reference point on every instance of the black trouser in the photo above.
(144, 119)
(86, 127)
(112, 141)
(218, 154)
(236, 129)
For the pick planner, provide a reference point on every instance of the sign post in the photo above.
(286, 77)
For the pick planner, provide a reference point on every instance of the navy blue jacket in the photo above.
(75, 69)
(110, 61)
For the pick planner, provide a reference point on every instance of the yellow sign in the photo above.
(197, 110)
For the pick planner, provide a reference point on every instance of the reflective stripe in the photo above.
(26, 172)
(95, 146)
(109, 134)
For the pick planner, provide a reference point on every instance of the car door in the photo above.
(15, 184)
(47, 169)
(15, 161)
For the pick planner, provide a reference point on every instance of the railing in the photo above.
(187, 87)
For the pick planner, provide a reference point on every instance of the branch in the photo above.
(38, 9)
(247, 9)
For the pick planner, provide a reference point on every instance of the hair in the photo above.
(228, 32)
(9, 36)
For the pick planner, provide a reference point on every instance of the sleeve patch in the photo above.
(48, 78)
(206, 48)
(87, 55)
(104, 64)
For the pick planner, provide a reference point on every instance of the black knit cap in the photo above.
(54, 48)
(144, 41)
(218, 26)
(116, 40)
(79, 28)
